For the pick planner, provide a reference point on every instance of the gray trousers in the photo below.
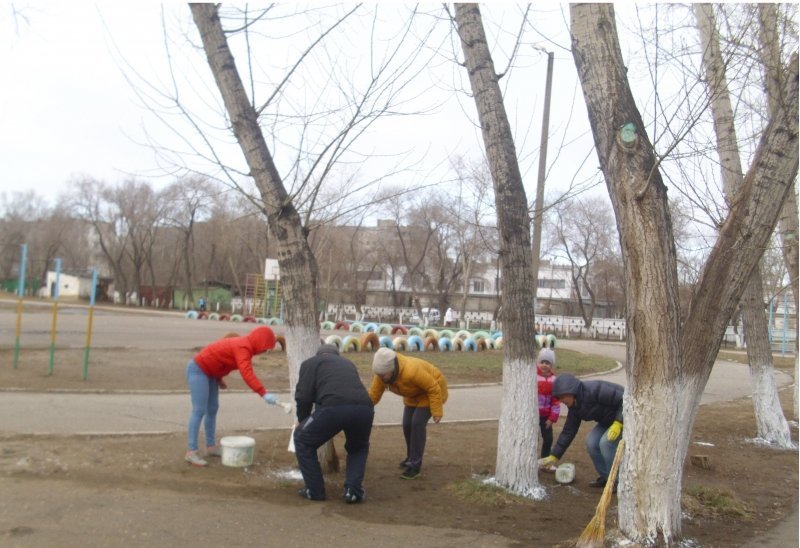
(415, 425)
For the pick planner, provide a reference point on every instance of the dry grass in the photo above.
(712, 502)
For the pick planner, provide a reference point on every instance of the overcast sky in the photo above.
(68, 111)
(66, 108)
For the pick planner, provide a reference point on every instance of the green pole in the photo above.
(89, 328)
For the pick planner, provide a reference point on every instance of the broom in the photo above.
(594, 534)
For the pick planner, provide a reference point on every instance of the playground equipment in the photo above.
(55, 318)
(20, 295)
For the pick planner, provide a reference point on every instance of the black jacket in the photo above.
(328, 379)
(599, 401)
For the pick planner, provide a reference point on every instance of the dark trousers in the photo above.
(415, 425)
(322, 425)
(547, 436)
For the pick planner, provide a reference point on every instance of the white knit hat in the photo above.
(383, 362)
(547, 355)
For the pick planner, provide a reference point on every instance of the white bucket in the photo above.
(237, 450)
(565, 473)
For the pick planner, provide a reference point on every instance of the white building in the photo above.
(70, 284)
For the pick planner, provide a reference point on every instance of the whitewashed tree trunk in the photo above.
(668, 364)
(517, 442)
(297, 263)
(770, 423)
(298, 267)
(770, 54)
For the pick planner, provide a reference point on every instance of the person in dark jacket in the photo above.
(599, 401)
(330, 384)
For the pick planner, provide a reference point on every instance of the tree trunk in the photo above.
(788, 225)
(517, 444)
(771, 424)
(667, 367)
(297, 263)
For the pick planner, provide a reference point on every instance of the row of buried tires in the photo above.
(428, 340)
(195, 315)
(417, 340)
(371, 336)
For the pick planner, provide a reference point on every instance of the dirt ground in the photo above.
(747, 490)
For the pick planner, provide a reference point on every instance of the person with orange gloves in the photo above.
(205, 374)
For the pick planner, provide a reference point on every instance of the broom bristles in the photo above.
(593, 536)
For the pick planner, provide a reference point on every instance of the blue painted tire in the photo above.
(416, 344)
(470, 344)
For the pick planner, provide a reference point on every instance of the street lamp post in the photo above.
(538, 205)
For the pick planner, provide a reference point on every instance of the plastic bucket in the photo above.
(237, 450)
(565, 473)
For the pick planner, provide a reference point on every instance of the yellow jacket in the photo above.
(420, 383)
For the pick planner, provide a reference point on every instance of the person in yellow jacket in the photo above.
(424, 391)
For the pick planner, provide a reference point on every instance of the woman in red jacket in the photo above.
(205, 374)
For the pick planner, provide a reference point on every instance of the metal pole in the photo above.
(785, 321)
(89, 327)
(538, 205)
(771, 316)
(55, 317)
(20, 295)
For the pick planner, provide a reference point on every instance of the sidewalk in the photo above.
(65, 413)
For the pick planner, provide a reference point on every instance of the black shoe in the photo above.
(353, 496)
(600, 482)
(410, 473)
(405, 463)
(306, 494)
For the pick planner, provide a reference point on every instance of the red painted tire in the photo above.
(432, 343)
(399, 329)
(369, 342)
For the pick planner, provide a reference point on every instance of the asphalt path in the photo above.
(152, 412)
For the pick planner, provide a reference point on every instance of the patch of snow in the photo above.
(292, 474)
(704, 443)
(765, 443)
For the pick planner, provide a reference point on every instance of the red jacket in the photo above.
(223, 356)
(549, 406)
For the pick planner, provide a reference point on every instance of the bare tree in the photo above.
(583, 234)
(517, 437)
(771, 424)
(190, 202)
(668, 362)
(476, 238)
(298, 266)
(769, 24)
(92, 203)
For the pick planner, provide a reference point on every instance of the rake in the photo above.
(594, 534)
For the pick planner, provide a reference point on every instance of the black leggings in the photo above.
(547, 436)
